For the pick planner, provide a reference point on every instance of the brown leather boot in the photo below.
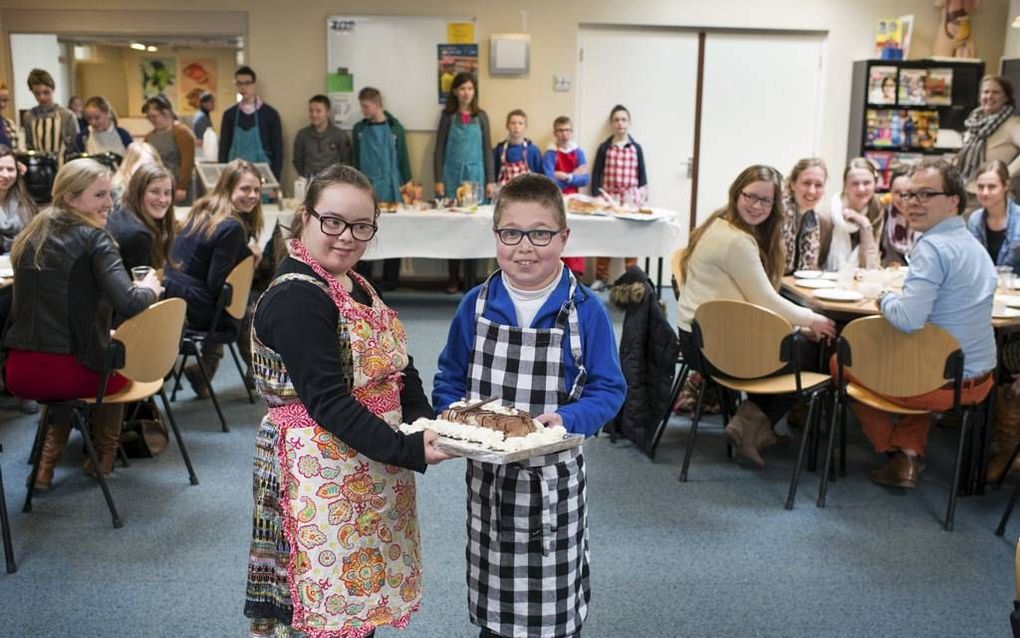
(106, 425)
(53, 447)
(1007, 433)
(757, 433)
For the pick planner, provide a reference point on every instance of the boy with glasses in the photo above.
(251, 130)
(564, 163)
(534, 338)
(951, 283)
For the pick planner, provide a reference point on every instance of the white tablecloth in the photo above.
(442, 234)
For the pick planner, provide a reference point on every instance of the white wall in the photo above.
(31, 50)
(1011, 49)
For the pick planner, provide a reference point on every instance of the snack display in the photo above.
(388, 207)
(582, 205)
(411, 193)
(489, 431)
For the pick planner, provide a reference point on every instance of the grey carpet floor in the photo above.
(717, 556)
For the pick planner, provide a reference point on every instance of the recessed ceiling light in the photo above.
(137, 46)
(151, 49)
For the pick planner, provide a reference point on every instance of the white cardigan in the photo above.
(725, 265)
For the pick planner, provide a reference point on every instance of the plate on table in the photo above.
(807, 274)
(837, 294)
(816, 283)
(1005, 313)
(1013, 301)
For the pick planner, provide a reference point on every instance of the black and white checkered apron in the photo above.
(527, 551)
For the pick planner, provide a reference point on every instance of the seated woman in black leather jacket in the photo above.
(144, 224)
(218, 235)
(68, 282)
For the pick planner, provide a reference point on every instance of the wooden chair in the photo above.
(889, 363)
(143, 349)
(233, 300)
(5, 527)
(746, 348)
(683, 369)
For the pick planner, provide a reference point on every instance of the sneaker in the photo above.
(598, 285)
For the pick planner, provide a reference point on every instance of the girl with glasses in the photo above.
(337, 380)
(737, 253)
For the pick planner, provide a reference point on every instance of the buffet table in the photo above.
(447, 234)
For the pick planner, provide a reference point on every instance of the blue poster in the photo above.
(454, 59)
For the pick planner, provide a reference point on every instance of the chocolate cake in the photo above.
(489, 414)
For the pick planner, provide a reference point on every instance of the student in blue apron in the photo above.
(380, 152)
(462, 150)
(251, 130)
(516, 154)
(535, 338)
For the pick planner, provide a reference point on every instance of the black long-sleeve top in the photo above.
(270, 133)
(298, 321)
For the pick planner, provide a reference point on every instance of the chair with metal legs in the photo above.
(233, 300)
(143, 349)
(5, 526)
(887, 363)
(745, 348)
(683, 368)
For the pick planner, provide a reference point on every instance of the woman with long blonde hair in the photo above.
(857, 218)
(137, 154)
(220, 231)
(737, 253)
(68, 282)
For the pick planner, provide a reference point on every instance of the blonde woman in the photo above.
(737, 253)
(68, 281)
(218, 233)
(137, 154)
(857, 216)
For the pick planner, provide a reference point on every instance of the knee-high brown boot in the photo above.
(1007, 432)
(52, 448)
(211, 355)
(107, 421)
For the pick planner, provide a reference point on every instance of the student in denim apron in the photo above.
(462, 150)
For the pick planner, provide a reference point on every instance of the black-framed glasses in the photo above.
(537, 236)
(334, 227)
(754, 200)
(922, 197)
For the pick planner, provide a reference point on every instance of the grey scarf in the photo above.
(979, 126)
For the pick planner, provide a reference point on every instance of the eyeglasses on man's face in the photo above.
(922, 197)
(537, 236)
(334, 227)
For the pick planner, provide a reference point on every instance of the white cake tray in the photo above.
(476, 452)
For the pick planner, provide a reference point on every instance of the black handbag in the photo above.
(144, 434)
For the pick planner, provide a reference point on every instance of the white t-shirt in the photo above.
(527, 303)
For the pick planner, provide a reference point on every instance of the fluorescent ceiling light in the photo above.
(137, 46)
(1016, 23)
(151, 48)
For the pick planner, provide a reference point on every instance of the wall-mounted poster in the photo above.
(198, 76)
(159, 76)
(454, 59)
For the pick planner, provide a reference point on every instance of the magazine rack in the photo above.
(904, 110)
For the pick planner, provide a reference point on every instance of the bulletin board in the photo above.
(397, 55)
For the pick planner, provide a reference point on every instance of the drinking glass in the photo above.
(138, 273)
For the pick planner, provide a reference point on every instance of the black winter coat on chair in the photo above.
(648, 354)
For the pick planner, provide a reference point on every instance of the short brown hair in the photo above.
(333, 175)
(40, 76)
(514, 112)
(561, 120)
(952, 181)
(533, 188)
(369, 94)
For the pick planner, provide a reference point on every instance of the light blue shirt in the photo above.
(951, 283)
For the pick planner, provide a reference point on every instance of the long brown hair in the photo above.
(215, 208)
(767, 235)
(26, 205)
(994, 166)
(73, 179)
(452, 102)
(800, 167)
(162, 230)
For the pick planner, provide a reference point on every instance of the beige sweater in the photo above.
(725, 265)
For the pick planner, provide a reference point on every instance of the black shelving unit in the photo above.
(966, 81)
